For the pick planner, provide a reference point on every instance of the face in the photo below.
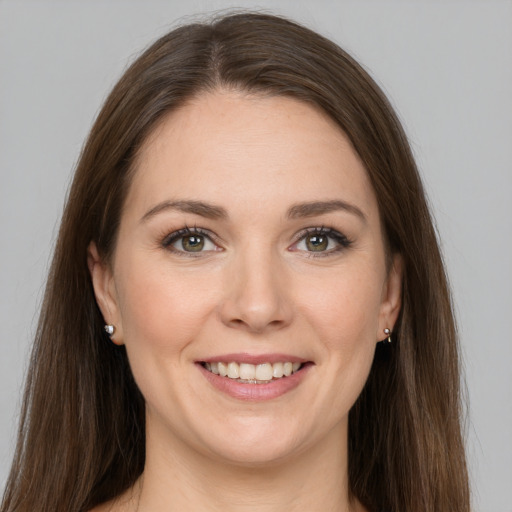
(249, 281)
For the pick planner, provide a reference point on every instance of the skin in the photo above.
(258, 288)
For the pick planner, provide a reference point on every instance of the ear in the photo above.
(391, 297)
(105, 291)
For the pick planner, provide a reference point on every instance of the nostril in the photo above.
(237, 322)
(254, 300)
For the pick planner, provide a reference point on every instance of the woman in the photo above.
(247, 308)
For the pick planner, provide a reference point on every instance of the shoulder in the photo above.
(105, 507)
(100, 508)
(115, 505)
(126, 502)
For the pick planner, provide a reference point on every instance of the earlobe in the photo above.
(104, 291)
(392, 297)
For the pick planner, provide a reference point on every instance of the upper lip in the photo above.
(254, 358)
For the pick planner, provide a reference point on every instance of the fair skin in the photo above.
(280, 259)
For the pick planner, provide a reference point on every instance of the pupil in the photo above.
(193, 243)
(317, 242)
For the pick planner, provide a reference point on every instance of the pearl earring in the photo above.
(110, 329)
(387, 332)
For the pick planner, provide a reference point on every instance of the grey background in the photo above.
(447, 67)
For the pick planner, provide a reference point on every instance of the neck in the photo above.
(175, 478)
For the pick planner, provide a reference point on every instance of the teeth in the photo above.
(277, 370)
(223, 370)
(264, 371)
(233, 371)
(247, 371)
(250, 373)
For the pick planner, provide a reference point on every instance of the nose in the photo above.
(256, 293)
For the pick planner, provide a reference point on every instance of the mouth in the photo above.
(255, 377)
(247, 373)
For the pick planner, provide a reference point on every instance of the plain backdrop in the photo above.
(447, 67)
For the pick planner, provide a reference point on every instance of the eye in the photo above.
(190, 240)
(321, 240)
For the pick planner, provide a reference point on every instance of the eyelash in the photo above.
(341, 240)
(171, 238)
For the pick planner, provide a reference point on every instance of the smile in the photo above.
(253, 373)
(255, 377)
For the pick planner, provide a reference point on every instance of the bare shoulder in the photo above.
(109, 506)
(122, 503)
(125, 502)
(104, 507)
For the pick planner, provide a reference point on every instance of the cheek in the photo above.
(345, 307)
(344, 313)
(162, 312)
(161, 308)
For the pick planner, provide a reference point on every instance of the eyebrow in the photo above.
(211, 211)
(314, 208)
(207, 210)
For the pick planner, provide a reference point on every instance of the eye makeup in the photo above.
(320, 242)
(313, 241)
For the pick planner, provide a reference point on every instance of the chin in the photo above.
(260, 442)
(257, 455)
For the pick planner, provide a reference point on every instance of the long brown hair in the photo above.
(81, 437)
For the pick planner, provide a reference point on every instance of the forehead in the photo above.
(246, 150)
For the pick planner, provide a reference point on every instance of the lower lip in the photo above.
(255, 392)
